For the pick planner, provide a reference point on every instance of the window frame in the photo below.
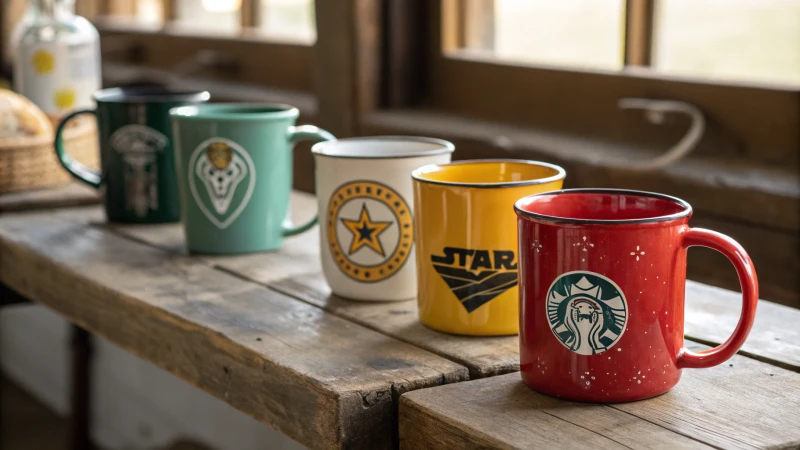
(584, 102)
(741, 179)
(281, 65)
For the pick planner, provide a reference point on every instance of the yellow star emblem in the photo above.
(365, 232)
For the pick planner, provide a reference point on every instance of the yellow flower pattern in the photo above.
(43, 62)
(64, 98)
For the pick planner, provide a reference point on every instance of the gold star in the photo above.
(365, 232)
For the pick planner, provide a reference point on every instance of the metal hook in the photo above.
(655, 111)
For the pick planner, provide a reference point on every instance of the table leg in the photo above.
(80, 399)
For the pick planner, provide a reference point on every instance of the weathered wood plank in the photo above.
(322, 380)
(743, 404)
(73, 194)
(712, 313)
(295, 270)
(501, 412)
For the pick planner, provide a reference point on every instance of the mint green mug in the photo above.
(234, 164)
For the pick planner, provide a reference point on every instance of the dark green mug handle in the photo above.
(78, 170)
(306, 133)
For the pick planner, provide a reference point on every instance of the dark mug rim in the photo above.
(149, 94)
(684, 213)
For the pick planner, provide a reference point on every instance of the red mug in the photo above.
(602, 279)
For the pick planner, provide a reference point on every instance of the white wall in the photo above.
(135, 405)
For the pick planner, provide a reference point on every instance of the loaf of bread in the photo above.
(21, 121)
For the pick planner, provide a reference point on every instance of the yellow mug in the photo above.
(466, 241)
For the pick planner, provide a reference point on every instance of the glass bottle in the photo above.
(57, 58)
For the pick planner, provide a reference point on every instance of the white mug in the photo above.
(365, 199)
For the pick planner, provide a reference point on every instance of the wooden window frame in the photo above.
(741, 178)
(236, 65)
(584, 102)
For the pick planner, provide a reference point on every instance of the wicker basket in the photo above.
(34, 164)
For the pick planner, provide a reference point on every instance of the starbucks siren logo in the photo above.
(587, 312)
(222, 177)
(139, 146)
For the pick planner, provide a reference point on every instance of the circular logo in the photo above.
(587, 312)
(370, 231)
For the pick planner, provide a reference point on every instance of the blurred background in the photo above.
(604, 88)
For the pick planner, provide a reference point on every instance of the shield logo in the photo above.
(222, 177)
(139, 146)
(587, 312)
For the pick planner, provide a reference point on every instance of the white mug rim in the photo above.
(443, 146)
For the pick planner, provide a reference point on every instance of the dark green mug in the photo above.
(235, 174)
(136, 152)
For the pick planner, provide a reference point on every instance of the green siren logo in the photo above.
(476, 276)
(587, 312)
(222, 177)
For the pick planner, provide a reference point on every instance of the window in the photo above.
(288, 19)
(742, 40)
(546, 66)
(546, 80)
(750, 40)
(569, 33)
(237, 49)
(208, 15)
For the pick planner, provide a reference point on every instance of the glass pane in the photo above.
(571, 33)
(291, 19)
(150, 11)
(209, 15)
(756, 40)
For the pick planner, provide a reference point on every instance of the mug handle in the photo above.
(76, 169)
(749, 282)
(303, 133)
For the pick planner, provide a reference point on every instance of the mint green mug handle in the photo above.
(303, 133)
(78, 170)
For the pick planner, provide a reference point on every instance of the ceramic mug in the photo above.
(467, 244)
(364, 196)
(234, 165)
(136, 152)
(602, 279)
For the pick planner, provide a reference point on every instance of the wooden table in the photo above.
(263, 333)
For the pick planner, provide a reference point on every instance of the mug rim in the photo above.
(685, 213)
(148, 94)
(444, 147)
(232, 111)
(560, 174)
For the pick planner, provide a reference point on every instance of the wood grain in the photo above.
(348, 62)
(319, 379)
(295, 270)
(741, 404)
(712, 313)
(72, 194)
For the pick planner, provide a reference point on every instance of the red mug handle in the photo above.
(749, 283)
